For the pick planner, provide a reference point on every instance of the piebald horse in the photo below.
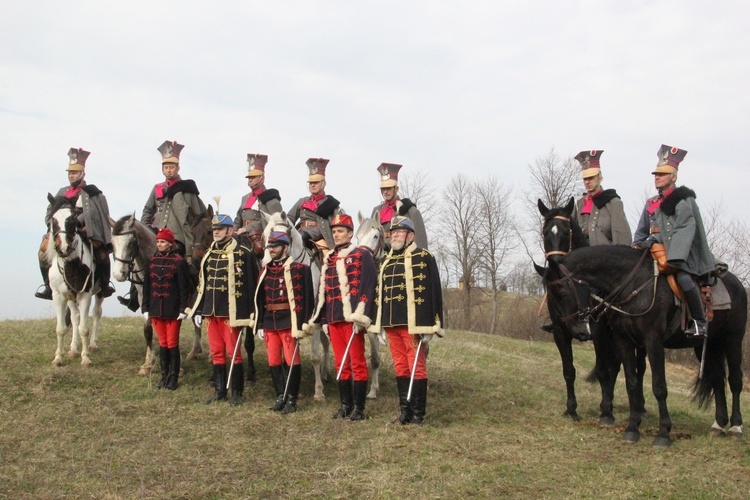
(73, 280)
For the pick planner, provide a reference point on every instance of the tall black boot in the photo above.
(164, 362)
(220, 384)
(46, 292)
(360, 396)
(277, 376)
(418, 401)
(250, 348)
(402, 383)
(345, 393)
(293, 391)
(132, 302)
(174, 368)
(103, 268)
(699, 326)
(238, 384)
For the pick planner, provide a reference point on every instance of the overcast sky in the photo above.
(480, 88)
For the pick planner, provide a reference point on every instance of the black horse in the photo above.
(560, 235)
(640, 307)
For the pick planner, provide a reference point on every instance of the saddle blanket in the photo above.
(722, 300)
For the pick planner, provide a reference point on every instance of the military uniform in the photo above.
(387, 210)
(175, 203)
(409, 303)
(284, 301)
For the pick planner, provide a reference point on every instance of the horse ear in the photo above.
(542, 207)
(570, 206)
(283, 217)
(377, 216)
(111, 221)
(210, 211)
(360, 217)
(540, 270)
(50, 198)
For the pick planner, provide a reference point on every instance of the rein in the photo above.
(570, 240)
(133, 273)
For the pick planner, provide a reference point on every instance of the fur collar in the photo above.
(406, 205)
(669, 204)
(185, 186)
(268, 195)
(327, 207)
(91, 190)
(605, 197)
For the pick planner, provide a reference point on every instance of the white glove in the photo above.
(198, 320)
(382, 337)
(361, 327)
(426, 338)
(325, 328)
(261, 333)
(181, 316)
(145, 316)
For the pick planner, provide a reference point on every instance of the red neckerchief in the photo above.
(253, 197)
(654, 204)
(161, 188)
(388, 210)
(312, 202)
(73, 192)
(588, 203)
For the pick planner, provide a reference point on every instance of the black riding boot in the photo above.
(250, 348)
(220, 384)
(277, 376)
(103, 268)
(293, 392)
(699, 326)
(174, 368)
(345, 393)
(418, 401)
(132, 301)
(360, 396)
(46, 292)
(164, 362)
(238, 384)
(402, 383)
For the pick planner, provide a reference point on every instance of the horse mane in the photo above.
(578, 238)
(146, 238)
(60, 202)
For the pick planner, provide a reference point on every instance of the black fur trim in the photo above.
(406, 205)
(91, 190)
(605, 197)
(268, 195)
(669, 204)
(329, 205)
(184, 186)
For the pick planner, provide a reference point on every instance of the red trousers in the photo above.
(404, 351)
(167, 331)
(222, 340)
(280, 342)
(340, 334)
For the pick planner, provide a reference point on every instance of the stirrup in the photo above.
(694, 329)
(45, 294)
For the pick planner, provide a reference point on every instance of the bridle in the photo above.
(376, 252)
(570, 238)
(133, 249)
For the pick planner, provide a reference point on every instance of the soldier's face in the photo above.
(223, 234)
(75, 177)
(592, 184)
(170, 170)
(277, 251)
(341, 235)
(163, 245)
(400, 238)
(316, 187)
(662, 182)
(388, 193)
(255, 181)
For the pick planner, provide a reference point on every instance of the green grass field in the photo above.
(493, 429)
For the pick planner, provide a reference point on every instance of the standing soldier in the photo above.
(248, 225)
(671, 225)
(174, 203)
(393, 205)
(345, 303)
(226, 284)
(284, 301)
(410, 309)
(166, 286)
(313, 214)
(93, 218)
(600, 212)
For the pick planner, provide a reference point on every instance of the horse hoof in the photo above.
(73, 354)
(631, 437)
(93, 347)
(191, 355)
(736, 432)
(86, 365)
(573, 416)
(142, 371)
(606, 422)
(319, 397)
(718, 432)
(372, 395)
(662, 442)
(57, 362)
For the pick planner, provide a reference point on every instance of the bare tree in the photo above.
(417, 186)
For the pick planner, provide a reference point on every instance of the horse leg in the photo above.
(564, 346)
(659, 388)
(325, 364)
(75, 319)
(197, 347)
(97, 316)
(606, 369)
(61, 309)
(83, 327)
(734, 363)
(315, 360)
(148, 334)
(374, 366)
(626, 353)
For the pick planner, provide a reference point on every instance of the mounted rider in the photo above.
(393, 206)
(174, 203)
(284, 301)
(410, 309)
(672, 219)
(600, 212)
(93, 219)
(313, 214)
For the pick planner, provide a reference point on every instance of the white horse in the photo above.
(133, 245)
(73, 280)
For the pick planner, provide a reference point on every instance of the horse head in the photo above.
(133, 243)
(279, 221)
(63, 228)
(202, 236)
(568, 299)
(560, 231)
(370, 236)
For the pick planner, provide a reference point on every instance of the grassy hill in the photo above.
(494, 428)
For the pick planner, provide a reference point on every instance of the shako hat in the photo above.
(343, 220)
(277, 238)
(165, 234)
(256, 164)
(317, 167)
(669, 159)
(589, 161)
(401, 222)
(77, 159)
(170, 152)
(221, 220)
(388, 174)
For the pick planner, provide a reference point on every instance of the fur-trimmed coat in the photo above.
(327, 208)
(268, 201)
(177, 208)
(409, 292)
(680, 229)
(346, 292)
(607, 223)
(404, 208)
(95, 215)
(288, 283)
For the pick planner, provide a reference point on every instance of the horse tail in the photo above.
(714, 374)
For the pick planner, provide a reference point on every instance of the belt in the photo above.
(308, 223)
(277, 307)
(654, 230)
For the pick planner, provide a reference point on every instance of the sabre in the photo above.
(231, 366)
(346, 352)
(289, 377)
(414, 370)
(703, 357)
